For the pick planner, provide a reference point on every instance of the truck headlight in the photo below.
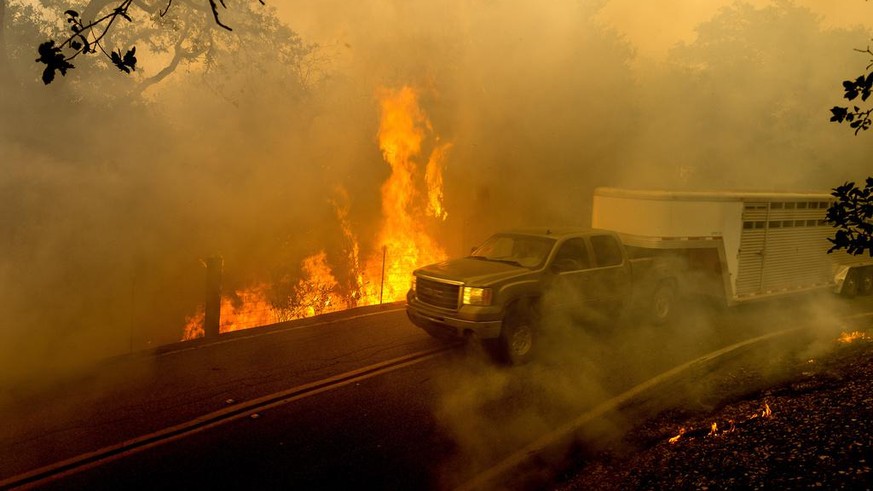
(476, 296)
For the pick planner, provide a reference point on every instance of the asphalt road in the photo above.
(432, 424)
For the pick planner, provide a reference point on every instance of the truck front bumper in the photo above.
(452, 323)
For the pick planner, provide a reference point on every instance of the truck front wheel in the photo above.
(516, 342)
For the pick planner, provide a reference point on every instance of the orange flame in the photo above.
(403, 240)
(434, 178)
(676, 438)
(315, 293)
(409, 198)
(242, 310)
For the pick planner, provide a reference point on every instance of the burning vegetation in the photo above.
(412, 199)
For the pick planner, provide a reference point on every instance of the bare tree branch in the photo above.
(215, 13)
(179, 55)
(167, 9)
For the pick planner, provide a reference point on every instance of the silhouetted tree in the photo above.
(858, 88)
(852, 212)
(86, 36)
(852, 215)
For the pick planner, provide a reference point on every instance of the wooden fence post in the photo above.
(212, 319)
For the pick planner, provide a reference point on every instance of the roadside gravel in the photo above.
(810, 430)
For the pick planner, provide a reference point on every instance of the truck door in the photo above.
(572, 288)
(611, 275)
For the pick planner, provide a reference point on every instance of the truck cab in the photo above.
(498, 293)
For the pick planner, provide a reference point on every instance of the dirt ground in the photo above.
(812, 429)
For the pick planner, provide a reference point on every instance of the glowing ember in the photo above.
(849, 337)
(411, 199)
(728, 427)
(764, 413)
(713, 431)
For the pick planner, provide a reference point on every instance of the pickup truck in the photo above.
(500, 292)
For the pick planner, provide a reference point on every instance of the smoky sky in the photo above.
(111, 194)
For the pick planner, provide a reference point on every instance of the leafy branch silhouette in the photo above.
(858, 118)
(87, 37)
(852, 215)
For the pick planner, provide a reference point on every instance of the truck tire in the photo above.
(516, 342)
(663, 300)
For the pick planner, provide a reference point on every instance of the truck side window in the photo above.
(572, 256)
(606, 250)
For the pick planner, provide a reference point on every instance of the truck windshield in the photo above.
(520, 250)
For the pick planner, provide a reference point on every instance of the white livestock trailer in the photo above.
(740, 245)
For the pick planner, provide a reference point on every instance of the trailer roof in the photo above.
(666, 195)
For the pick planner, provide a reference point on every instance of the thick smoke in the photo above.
(544, 103)
(113, 191)
(745, 106)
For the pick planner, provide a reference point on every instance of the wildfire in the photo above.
(677, 437)
(412, 197)
(403, 236)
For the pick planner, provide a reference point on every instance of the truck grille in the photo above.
(437, 293)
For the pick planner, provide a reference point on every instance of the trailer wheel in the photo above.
(517, 336)
(850, 284)
(865, 286)
(663, 299)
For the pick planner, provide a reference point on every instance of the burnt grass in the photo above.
(817, 434)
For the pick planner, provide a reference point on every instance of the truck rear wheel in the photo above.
(663, 299)
(517, 337)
